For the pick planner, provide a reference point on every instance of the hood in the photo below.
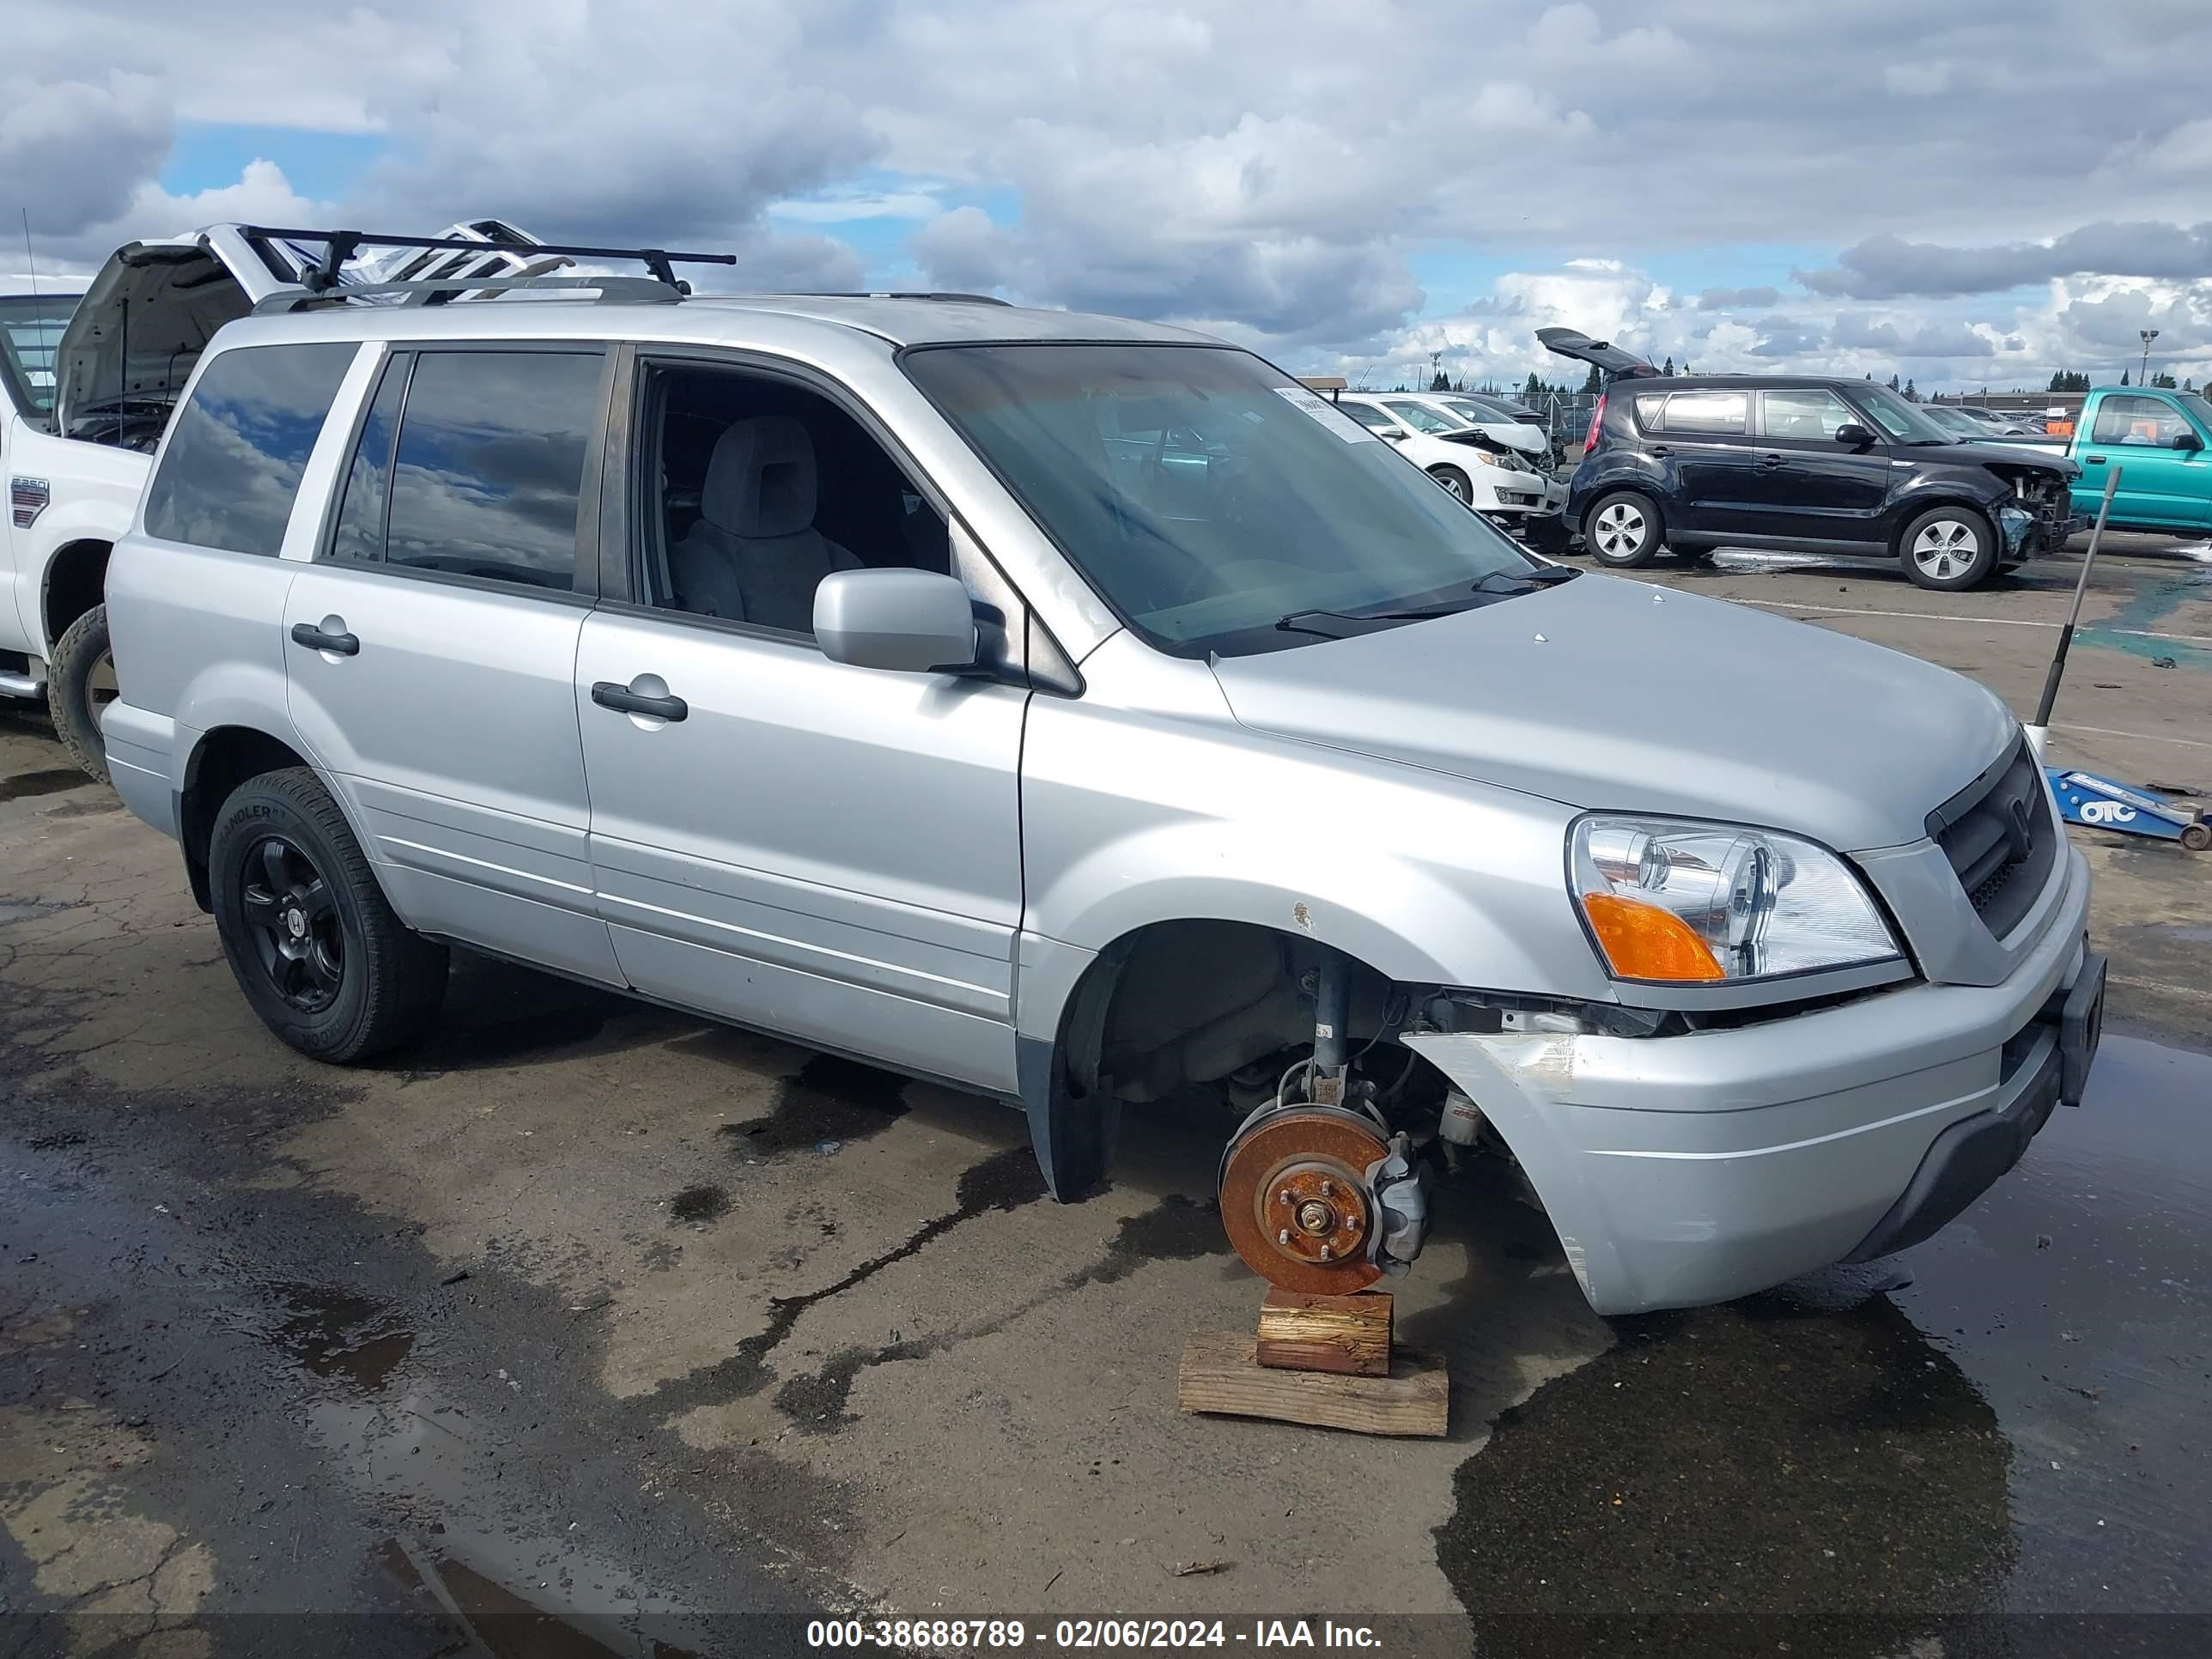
(1606, 694)
(1495, 439)
(1998, 452)
(1528, 440)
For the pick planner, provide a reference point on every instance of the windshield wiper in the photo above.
(1479, 592)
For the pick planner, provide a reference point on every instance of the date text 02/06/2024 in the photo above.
(1083, 1634)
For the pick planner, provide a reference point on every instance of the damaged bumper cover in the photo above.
(1686, 1170)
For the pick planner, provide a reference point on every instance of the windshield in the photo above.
(1422, 418)
(1206, 496)
(1902, 421)
(1480, 413)
(1958, 425)
(30, 329)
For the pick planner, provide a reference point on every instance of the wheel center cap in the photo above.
(295, 923)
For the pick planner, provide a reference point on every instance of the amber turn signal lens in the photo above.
(1642, 941)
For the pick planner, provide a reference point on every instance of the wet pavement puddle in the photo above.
(334, 1333)
(505, 1622)
(2004, 1423)
(25, 786)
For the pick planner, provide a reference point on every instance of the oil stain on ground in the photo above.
(701, 1204)
(828, 1099)
(1834, 1471)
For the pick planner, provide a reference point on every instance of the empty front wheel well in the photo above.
(226, 757)
(76, 580)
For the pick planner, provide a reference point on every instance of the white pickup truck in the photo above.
(87, 387)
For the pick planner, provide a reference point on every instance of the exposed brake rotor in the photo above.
(1295, 1197)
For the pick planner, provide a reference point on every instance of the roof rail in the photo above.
(339, 246)
(437, 290)
(846, 293)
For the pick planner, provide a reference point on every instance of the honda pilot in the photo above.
(1081, 712)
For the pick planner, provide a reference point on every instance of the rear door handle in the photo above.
(338, 643)
(623, 701)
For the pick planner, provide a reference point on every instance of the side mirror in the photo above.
(1852, 433)
(2187, 439)
(906, 621)
(1396, 434)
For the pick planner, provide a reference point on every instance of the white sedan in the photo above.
(1489, 476)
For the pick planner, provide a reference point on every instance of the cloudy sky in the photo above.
(1971, 193)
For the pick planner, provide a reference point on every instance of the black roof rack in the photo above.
(436, 290)
(340, 245)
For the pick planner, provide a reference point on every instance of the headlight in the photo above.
(1682, 902)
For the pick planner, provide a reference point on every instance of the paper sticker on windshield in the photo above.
(1327, 413)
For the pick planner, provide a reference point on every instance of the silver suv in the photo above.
(1081, 712)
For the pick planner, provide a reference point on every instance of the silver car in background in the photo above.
(1080, 712)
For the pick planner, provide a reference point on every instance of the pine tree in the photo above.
(1441, 383)
(1910, 395)
(1533, 393)
(2163, 378)
(1591, 382)
(1667, 367)
(2123, 377)
(1892, 383)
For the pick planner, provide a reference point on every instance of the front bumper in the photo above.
(1688, 1170)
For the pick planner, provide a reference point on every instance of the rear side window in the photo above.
(233, 465)
(489, 468)
(1705, 411)
(360, 532)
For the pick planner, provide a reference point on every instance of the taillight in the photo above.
(1597, 420)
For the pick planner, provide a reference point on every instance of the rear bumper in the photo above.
(141, 747)
(1688, 1170)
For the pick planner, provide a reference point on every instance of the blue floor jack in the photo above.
(2083, 797)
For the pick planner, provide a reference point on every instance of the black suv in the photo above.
(1802, 464)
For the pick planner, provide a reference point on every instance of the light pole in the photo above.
(2142, 375)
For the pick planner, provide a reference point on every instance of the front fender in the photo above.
(1942, 486)
(1133, 815)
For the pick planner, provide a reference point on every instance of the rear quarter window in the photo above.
(232, 469)
(1721, 413)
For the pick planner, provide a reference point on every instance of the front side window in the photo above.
(2140, 423)
(755, 489)
(1723, 413)
(1805, 415)
(232, 469)
(488, 470)
(30, 329)
(1287, 516)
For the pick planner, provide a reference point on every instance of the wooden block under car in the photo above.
(1221, 1372)
(1301, 1331)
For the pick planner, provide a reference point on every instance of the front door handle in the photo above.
(336, 641)
(1770, 460)
(1660, 450)
(623, 701)
(2093, 461)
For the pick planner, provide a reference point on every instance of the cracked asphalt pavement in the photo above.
(586, 1327)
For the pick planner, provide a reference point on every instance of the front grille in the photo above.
(2000, 838)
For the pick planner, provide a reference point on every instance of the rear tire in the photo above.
(81, 682)
(1455, 483)
(309, 935)
(1949, 549)
(1624, 529)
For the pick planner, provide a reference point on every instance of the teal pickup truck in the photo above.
(2160, 441)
